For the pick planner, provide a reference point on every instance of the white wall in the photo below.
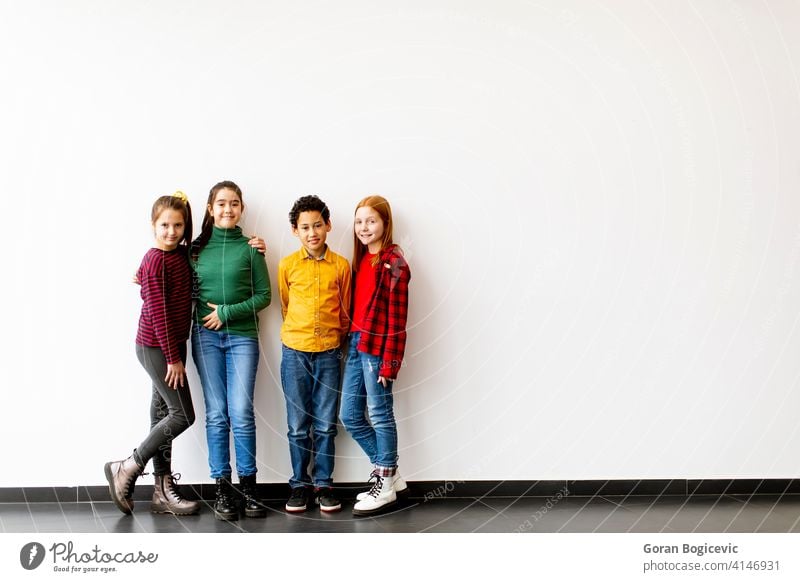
(599, 202)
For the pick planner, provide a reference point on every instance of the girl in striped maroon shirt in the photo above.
(166, 289)
(375, 354)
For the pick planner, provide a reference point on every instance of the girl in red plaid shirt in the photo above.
(375, 353)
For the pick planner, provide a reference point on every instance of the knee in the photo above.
(242, 417)
(353, 421)
(217, 418)
(381, 417)
(298, 426)
(325, 429)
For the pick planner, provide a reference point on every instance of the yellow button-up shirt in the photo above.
(315, 300)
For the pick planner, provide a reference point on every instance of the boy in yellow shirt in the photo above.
(314, 285)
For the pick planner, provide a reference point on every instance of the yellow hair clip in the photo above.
(181, 196)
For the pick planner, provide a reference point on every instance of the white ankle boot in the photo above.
(400, 487)
(378, 498)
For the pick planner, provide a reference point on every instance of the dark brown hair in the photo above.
(208, 219)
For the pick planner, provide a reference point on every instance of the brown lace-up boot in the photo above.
(121, 475)
(167, 497)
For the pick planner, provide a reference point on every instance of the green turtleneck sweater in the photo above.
(233, 275)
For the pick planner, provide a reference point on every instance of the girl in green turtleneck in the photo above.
(231, 287)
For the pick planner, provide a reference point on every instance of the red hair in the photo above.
(380, 205)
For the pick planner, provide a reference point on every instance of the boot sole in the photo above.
(401, 495)
(123, 507)
(226, 516)
(160, 510)
(389, 507)
(255, 513)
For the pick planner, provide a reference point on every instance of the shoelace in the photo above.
(173, 485)
(130, 486)
(249, 491)
(223, 496)
(376, 487)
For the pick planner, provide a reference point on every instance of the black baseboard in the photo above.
(430, 490)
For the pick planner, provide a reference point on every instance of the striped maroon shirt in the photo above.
(166, 280)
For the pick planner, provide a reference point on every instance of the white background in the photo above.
(599, 202)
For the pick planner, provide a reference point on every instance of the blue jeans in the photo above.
(310, 383)
(227, 366)
(367, 407)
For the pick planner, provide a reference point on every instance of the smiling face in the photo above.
(312, 230)
(226, 209)
(168, 228)
(368, 227)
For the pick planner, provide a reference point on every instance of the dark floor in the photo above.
(665, 513)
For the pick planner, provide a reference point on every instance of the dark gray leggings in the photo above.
(171, 411)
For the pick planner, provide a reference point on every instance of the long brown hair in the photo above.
(208, 219)
(380, 205)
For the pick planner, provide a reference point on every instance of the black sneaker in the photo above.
(297, 500)
(326, 499)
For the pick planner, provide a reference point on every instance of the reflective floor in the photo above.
(665, 513)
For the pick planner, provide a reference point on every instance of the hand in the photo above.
(175, 375)
(258, 243)
(212, 321)
(384, 381)
(136, 279)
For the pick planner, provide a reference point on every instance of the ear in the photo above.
(328, 226)
(295, 232)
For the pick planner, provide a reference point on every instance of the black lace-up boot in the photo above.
(252, 505)
(224, 506)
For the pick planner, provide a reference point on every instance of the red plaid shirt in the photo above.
(384, 332)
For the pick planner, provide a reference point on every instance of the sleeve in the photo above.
(262, 292)
(283, 287)
(397, 316)
(346, 294)
(152, 276)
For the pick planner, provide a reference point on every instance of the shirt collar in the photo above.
(304, 254)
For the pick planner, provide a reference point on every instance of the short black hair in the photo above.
(308, 204)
